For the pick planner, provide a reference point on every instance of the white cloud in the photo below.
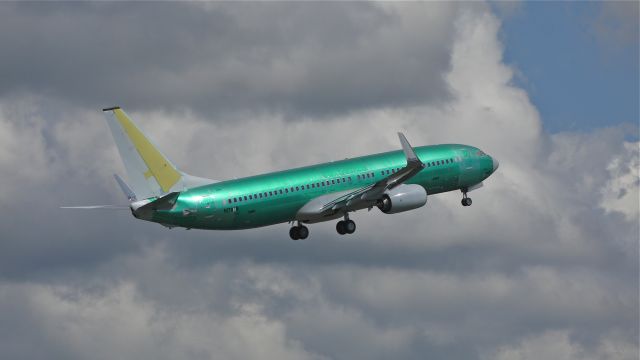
(557, 344)
(118, 323)
(620, 194)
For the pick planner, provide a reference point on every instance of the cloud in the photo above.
(545, 259)
(226, 58)
(557, 344)
(118, 323)
(621, 192)
(617, 24)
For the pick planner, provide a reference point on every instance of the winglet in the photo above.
(125, 188)
(409, 153)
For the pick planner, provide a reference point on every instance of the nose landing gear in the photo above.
(466, 201)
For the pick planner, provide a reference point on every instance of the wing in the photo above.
(327, 206)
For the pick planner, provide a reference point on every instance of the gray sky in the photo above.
(544, 265)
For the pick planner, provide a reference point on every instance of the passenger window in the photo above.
(250, 197)
(333, 182)
(344, 180)
(270, 193)
(286, 190)
(349, 178)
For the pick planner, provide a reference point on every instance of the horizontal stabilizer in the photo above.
(125, 188)
(101, 207)
(164, 203)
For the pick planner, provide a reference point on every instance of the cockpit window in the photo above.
(480, 153)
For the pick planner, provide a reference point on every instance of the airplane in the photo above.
(394, 182)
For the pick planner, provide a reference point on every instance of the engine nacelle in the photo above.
(402, 198)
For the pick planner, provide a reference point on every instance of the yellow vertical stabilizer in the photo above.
(158, 166)
(150, 173)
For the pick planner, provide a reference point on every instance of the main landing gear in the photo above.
(346, 226)
(466, 201)
(299, 232)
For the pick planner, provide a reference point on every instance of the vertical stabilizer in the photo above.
(150, 173)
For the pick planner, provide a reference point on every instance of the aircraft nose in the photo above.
(496, 163)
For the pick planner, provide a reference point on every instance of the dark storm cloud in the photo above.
(221, 57)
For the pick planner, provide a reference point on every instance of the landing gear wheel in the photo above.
(466, 201)
(350, 227)
(303, 232)
(341, 227)
(294, 233)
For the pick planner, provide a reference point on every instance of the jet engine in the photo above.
(402, 198)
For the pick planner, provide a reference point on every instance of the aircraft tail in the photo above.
(150, 173)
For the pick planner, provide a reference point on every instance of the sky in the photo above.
(577, 61)
(544, 265)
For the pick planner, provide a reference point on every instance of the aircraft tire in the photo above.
(303, 232)
(341, 228)
(350, 227)
(294, 233)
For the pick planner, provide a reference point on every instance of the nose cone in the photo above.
(496, 163)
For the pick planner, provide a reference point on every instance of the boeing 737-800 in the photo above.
(394, 182)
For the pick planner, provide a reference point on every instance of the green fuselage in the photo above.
(276, 197)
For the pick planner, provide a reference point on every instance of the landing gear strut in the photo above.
(466, 201)
(346, 226)
(299, 232)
